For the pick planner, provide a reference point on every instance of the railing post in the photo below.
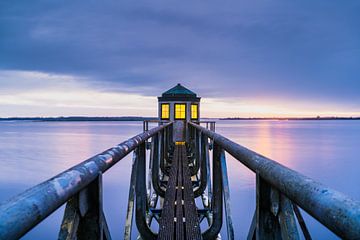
(203, 168)
(267, 226)
(161, 139)
(287, 219)
(166, 145)
(196, 148)
(156, 154)
(70, 220)
(274, 214)
(217, 198)
(84, 217)
(130, 208)
(141, 198)
(208, 167)
(225, 182)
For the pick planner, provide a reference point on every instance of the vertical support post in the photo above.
(217, 199)
(274, 217)
(287, 220)
(156, 154)
(130, 207)
(196, 147)
(161, 151)
(203, 167)
(70, 220)
(225, 181)
(84, 217)
(95, 222)
(207, 159)
(267, 226)
(170, 136)
(166, 146)
(145, 125)
(141, 199)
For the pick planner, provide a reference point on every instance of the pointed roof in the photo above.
(179, 93)
(178, 89)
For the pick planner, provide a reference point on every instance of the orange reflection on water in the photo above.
(273, 141)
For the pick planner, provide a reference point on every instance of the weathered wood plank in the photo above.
(191, 217)
(167, 228)
(179, 219)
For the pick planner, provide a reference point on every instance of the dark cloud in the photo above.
(276, 49)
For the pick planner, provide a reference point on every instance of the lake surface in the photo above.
(32, 152)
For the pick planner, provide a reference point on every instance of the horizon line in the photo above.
(152, 117)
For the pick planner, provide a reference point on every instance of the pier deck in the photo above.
(179, 218)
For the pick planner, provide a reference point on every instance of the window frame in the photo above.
(197, 111)
(184, 111)
(161, 111)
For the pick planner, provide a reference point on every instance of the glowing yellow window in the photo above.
(165, 111)
(194, 111)
(180, 111)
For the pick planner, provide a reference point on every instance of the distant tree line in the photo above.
(77, 119)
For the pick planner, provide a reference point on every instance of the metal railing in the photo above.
(279, 190)
(79, 186)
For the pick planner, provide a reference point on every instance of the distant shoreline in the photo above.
(77, 119)
(296, 118)
(130, 118)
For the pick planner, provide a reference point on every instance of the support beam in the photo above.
(131, 202)
(267, 225)
(84, 217)
(141, 199)
(217, 198)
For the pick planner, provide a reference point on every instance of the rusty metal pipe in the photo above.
(333, 209)
(21, 213)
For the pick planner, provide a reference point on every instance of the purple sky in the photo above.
(244, 58)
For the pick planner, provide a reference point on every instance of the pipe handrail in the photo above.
(333, 209)
(21, 213)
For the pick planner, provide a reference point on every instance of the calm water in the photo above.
(31, 152)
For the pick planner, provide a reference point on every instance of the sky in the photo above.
(244, 58)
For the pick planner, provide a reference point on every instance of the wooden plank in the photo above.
(166, 226)
(179, 218)
(192, 221)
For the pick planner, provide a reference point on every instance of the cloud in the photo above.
(25, 93)
(302, 51)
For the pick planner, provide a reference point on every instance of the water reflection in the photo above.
(326, 151)
(31, 152)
